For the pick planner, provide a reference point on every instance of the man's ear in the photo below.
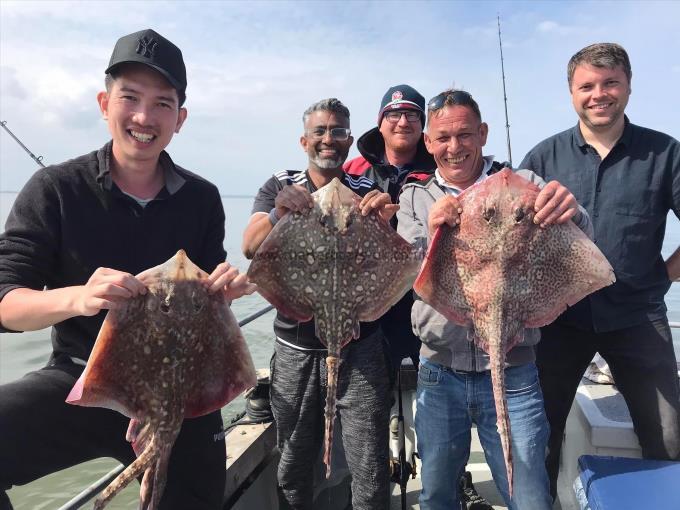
(304, 142)
(483, 132)
(103, 100)
(181, 117)
(428, 142)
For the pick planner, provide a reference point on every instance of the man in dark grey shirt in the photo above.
(628, 178)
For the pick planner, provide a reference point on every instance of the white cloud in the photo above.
(253, 67)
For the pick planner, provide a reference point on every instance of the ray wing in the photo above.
(175, 336)
(441, 279)
(571, 267)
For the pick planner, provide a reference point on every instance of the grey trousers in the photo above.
(298, 393)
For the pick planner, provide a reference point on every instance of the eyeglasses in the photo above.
(456, 97)
(395, 116)
(337, 133)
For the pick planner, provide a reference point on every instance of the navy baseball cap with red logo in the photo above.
(402, 97)
(150, 48)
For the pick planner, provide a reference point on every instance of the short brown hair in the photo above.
(608, 55)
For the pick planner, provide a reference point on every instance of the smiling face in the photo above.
(600, 96)
(402, 135)
(142, 112)
(455, 136)
(324, 151)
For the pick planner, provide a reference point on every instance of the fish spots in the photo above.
(497, 272)
(344, 258)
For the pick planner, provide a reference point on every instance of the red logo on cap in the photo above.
(397, 95)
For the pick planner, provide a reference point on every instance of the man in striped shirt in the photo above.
(298, 369)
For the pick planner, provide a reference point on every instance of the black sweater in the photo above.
(70, 219)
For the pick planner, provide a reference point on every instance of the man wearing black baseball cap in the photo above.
(75, 237)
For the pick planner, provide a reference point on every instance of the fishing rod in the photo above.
(505, 97)
(37, 159)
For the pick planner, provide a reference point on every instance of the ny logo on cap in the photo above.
(146, 47)
(397, 95)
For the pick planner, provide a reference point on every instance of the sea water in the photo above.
(21, 353)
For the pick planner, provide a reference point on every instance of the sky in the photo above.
(254, 67)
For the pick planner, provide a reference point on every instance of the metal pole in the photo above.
(254, 316)
(36, 159)
(93, 489)
(505, 97)
(403, 473)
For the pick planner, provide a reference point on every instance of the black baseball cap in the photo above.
(151, 48)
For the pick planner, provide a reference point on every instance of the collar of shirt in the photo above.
(450, 189)
(625, 139)
(173, 180)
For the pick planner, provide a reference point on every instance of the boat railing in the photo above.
(94, 489)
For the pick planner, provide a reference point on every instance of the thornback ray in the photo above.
(498, 273)
(176, 352)
(337, 266)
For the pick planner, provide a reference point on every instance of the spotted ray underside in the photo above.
(498, 273)
(338, 267)
(176, 352)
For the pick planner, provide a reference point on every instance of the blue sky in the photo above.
(253, 67)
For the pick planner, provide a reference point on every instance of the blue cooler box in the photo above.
(618, 483)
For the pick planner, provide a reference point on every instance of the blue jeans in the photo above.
(448, 403)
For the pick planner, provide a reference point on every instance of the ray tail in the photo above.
(502, 418)
(139, 466)
(332, 364)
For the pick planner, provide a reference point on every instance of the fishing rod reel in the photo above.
(398, 474)
(402, 452)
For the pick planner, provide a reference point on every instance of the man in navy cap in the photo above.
(76, 235)
(389, 153)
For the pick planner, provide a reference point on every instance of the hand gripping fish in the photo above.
(337, 266)
(176, 352)
(498, 273)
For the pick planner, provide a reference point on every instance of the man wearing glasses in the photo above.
(450, 365)
(298, 369)
(388, 153)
